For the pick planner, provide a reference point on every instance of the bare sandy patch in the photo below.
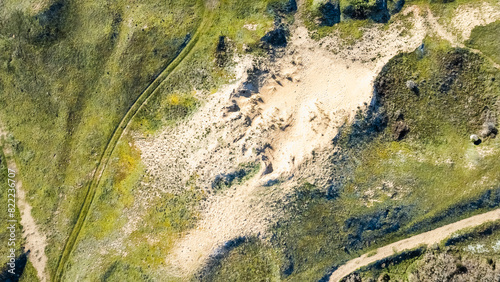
(467, 17)
(35, 240)
(278, 119)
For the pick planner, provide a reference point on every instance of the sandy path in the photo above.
(35, 240)
(427, 238)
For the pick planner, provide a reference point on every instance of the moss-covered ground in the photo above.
(486, 39)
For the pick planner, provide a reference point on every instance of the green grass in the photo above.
(483, 240)
(69, 82)
(110, 147)
(447, 9)
(201, 72)
(250, 261)
(466, 243)
(484, 39)
(396, 271)
(29, 273)
(352, 29)
(349, 29)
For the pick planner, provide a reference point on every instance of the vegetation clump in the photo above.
(240, 175)
(330, 13)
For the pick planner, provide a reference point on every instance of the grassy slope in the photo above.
(123, 186)
(352, 29)
(486, 39)
(393, 189)
(68, 76)
(251, 261)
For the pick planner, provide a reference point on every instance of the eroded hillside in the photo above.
(268, 140)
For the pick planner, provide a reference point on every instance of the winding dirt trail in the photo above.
(427, 238)
(35, 240)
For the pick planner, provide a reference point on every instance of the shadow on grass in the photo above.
(13, 271)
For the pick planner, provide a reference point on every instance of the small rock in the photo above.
(410, 84)
(400, 129)
(489, 130)
(475, 139)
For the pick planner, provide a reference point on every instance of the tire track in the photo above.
(117, 134)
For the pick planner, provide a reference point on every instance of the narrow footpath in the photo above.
(427, 238)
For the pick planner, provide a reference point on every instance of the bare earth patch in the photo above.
(280, 117)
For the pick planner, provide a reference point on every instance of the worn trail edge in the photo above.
(117, 134)
(427, 238)
(35, 239)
